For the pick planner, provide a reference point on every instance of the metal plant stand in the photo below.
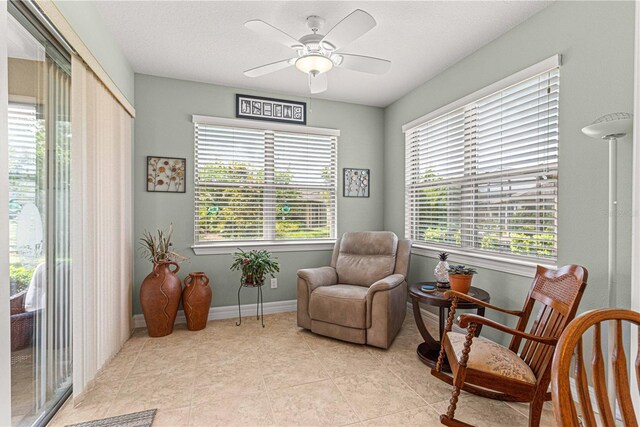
(259, 305)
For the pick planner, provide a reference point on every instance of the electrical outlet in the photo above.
(274, 282)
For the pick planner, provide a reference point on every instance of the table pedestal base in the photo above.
(429, 356)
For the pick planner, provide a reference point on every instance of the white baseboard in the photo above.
(230, 311)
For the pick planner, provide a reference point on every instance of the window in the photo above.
(263, 185)
(483, 176)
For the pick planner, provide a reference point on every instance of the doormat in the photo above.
(137, 419)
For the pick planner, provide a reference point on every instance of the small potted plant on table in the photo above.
(460, 278)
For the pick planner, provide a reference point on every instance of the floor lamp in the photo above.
(610, 128)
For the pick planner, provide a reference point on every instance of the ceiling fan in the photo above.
(318, 53)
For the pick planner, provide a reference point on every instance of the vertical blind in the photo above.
(484, 177)
(263, 185)
(58, 298)
(101, 225)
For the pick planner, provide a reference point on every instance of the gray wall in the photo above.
(596, 42)
(87, 23)
(163, 127)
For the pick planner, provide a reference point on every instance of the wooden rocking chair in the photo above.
(521, 372)
(570, 344)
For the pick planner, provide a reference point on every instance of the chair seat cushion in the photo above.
(344, 305)
(490, 357)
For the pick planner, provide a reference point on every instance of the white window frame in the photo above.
(499, 262)
(229, 247)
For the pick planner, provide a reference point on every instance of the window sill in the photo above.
(231, 247)
(496, 262)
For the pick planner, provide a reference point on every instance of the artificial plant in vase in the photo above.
(460, 278)
(159, 249)
(254, 265)
(161, 290)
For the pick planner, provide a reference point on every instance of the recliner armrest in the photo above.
(385, 284)
(321, 276)
(382, 285)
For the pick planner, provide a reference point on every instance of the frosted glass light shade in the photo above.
(614, 125)
(314, 64)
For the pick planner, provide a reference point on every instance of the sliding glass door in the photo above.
(39, 178)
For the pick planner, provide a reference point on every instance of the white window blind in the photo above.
(261, 185)
(483, 177)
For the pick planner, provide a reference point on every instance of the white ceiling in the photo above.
(206, 41)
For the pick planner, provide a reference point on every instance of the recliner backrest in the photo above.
(365, 257)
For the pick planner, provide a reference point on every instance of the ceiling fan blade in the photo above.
(318, 83)
(366, 64)
(269, 31)
(353, 26)
(269, 68)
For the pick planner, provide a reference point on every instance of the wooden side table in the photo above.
(429, 350)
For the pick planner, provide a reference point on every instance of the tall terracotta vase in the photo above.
(196, 300)
(160, 296)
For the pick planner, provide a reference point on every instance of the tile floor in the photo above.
(280, 375)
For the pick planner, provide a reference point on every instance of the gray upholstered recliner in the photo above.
(361, 297)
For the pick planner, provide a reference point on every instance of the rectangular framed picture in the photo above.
(166, 174)
(274, 110)
(356, 182)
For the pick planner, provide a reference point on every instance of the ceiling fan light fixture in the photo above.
(314, 64)
(327, 46)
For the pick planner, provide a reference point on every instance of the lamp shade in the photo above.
(614, 125)
(314, 64)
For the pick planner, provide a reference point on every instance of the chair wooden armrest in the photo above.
(476, 301)
(465, 319)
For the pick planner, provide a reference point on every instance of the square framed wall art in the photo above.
(166, 174)
(356, 182)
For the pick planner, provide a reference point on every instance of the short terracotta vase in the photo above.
(160, 297)
(196, 300)
(460, 282)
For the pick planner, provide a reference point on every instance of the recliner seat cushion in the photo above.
(366, 257)
(344, 305)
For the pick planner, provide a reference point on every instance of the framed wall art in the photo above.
(274, 110)
(356, 182)
(166, 174)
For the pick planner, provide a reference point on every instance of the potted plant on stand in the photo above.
(255, 265)
(161, 290)
(460, 278)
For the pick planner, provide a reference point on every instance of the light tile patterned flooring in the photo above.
(280, 375)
